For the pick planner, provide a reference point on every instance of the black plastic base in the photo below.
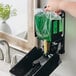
(36, 64)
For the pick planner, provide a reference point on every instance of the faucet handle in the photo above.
(15, 58)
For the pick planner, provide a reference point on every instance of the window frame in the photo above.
(31, 41)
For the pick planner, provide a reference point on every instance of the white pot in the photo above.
(4, 27)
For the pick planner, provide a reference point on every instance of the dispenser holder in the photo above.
(35, 63)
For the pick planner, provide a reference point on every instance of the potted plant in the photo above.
(5, 13)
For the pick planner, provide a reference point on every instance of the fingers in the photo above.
(58, 12)
(48, 8)
(53, 5)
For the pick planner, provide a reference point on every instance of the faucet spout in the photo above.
(6, 50)
(1, 54)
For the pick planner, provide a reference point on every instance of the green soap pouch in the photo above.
(43, 25)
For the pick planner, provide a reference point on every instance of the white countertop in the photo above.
(66, 68)
(4, 68)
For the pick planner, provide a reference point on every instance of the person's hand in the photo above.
(53, 5)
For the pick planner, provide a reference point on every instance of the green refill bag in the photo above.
(57, 26)
(43, 25)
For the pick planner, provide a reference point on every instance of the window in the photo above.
(18, 23)
(31, 40)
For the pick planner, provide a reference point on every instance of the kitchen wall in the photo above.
(70, 38)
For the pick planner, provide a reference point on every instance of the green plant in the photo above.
(6, 11)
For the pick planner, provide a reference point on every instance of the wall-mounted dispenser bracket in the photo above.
(35, 63)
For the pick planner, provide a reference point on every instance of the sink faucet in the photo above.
(5, 51)
(1, 54)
